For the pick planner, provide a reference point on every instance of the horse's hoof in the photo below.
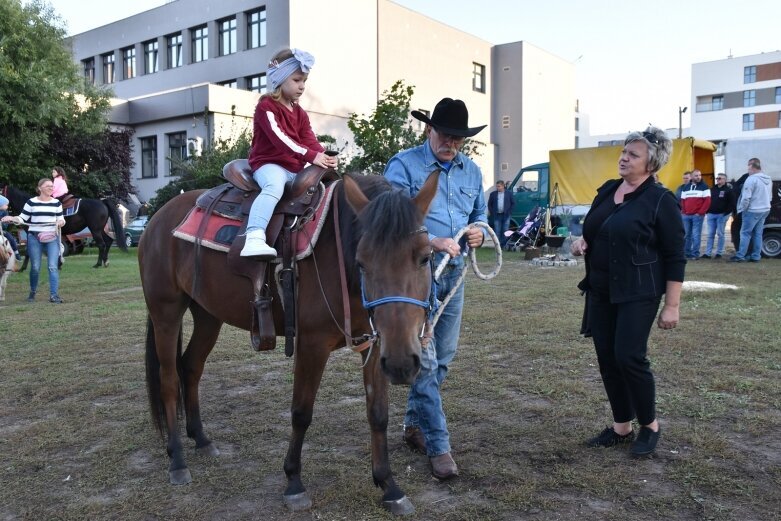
(296, 502)
(208, 450)
(399, 507)
(180, 476)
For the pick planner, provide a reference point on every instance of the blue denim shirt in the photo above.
(459, 200)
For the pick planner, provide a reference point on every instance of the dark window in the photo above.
(229, 83)
(149, 157)
(256, 28)
(174, 50)
(717, 103)
(577, 124)
(200, 43)
(748, 121)
(129, 62)
(89, 71)
(151, 58)
(478, 77)
(228, 43)
(257, 84)
(108, 68)
(749, 98)
(177, 152)
(750, 74)
(778, 94)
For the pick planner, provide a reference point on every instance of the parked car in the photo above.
(134, 230)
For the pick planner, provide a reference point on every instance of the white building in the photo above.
(195, 69)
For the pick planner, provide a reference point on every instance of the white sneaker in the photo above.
(255, 246)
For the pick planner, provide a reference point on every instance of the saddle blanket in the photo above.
(221, 231)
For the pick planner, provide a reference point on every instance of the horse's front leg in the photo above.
(309, 365)
(376, 386)
(102, 251)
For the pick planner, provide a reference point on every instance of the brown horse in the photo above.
(386, 256)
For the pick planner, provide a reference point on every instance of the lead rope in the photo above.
(473, 263)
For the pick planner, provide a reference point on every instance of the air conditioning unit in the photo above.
(194, 146)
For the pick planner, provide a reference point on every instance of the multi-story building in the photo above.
(191, 71)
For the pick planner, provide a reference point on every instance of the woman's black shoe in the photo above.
(609, 438)
(645, 443)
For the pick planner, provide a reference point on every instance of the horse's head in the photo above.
(394, 257)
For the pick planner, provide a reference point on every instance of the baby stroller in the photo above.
(528, 234)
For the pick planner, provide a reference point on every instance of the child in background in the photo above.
(60, 182)
(282, 143)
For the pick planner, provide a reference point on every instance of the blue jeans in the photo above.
(424, 403)
(692, 224)
(751, 230)
(35, 251)
(716, 224)
(500, 223)
(272, 179)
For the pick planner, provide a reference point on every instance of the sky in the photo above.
(632, 58)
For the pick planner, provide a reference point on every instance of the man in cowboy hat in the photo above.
(458, 203)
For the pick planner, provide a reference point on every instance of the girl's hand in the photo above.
(325, 161)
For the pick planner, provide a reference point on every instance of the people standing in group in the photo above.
(754, 207)
(500, 208)
(60, 181)
(282, 143)
(737, 219)
(695, 201)
(43, 217)
(633, 241)
(459, 202)
(722, 203)
(687, 179)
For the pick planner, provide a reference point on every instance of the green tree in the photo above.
(385, 132)
(42, 95)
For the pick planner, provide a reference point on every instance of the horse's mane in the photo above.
(387, 220)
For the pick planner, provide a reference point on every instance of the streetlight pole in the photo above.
(681, 110)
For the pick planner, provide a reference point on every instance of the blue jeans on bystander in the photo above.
(716, 224)
(35, 251)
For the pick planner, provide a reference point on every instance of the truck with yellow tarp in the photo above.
(569, 181)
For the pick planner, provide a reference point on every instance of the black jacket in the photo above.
(646, 239)
(509, 202)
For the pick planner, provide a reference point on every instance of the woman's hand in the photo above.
(578, 247)
(60, 223)
(668, 318)
(325, 161)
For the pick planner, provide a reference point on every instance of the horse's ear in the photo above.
(354, 194)
(427, 192)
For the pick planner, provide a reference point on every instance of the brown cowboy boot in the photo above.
(414, 439)
(443, 466)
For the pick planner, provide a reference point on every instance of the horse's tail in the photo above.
(116, 223)
(153, 377)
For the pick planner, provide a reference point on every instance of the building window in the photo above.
(151, 59)
(89, 71)
(478, 77)
(577, 141)
(200, 43)
(229, 83)
(778, 94)
(108, 68)
(256, 28)
(749, 98)
(748, 121)
(174, 50)
(177, 152)
(577, 124)
(228, 43)
(779, 120)
(149, 157)
(717, 103)
(257, 84)
(750, 74)
(129, 63)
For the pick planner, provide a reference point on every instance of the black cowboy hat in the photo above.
(450, 117)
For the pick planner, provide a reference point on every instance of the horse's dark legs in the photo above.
(309, 366)
(376, 386)
(206, 329)
(102, 249)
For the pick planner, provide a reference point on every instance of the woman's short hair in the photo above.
(41, 182)
(659, 146)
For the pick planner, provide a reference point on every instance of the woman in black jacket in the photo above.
(633, 240)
